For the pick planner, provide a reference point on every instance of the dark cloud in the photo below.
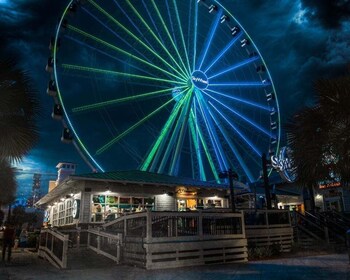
(330, 13)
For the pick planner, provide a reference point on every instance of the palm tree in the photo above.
(319, 136)
(19, 108)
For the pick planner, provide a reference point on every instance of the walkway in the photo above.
(26, 266)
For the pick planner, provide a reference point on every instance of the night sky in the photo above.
(300, 41)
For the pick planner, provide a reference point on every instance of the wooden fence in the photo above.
(53, 246)
(269, 228)
(174, 239)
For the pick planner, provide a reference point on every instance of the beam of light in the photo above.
(244, 101)
(236, 66)
(206, 151)
(156, 38)
(229, 45)
(182, 36)
(96, 106)
(115, 73)
(237, 130)
(241, 116)
(239, 84)
(106, 54)
(133, 127)
(195, 36)
(210, 38)
(212, 133)
(170, 37)
(153, 23)
(85, 34)
(171, 21)
(184, 122)
(197, 149)
(136, 38)
(155, 152)
(174, 135)
(133, 23)
(233, 148)
(115, 34)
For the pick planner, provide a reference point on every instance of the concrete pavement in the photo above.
(26, 265)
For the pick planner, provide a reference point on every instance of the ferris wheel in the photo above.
(174, 87)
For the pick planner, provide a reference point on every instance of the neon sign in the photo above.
(283, 163)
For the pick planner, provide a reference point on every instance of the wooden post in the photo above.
(200, 224)
(149, 227)
(65, 251)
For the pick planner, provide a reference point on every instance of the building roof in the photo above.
(135, 177)
(144, 177)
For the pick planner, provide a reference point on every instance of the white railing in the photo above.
(53, 246)
(106, 244)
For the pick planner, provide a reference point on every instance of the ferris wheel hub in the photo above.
(199, 79)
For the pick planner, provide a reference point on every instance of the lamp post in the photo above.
(230, 174)
(265, 162)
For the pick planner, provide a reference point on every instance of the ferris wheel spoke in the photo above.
(207, 152)
(223, 52)
(133, 24)
(110, 56)
(195, 36)
(238, 132)
(179, 68)
(182, 36)
(240, 84)
(220, 155)
(115, 33)
(170, 37)
(184, 122)
(240, 100)
(261, 129)
(137, 39)
(210, 38)
(127, 54)
(194, 137)
(175, 132)
(117, 74)
(136, 125)
(103, 104)
(155, 152)
(233, 148)
(236, 66)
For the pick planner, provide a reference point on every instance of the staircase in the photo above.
(317, 231)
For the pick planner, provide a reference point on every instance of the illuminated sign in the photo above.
(283, 163)
(76, 209)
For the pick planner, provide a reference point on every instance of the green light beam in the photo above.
(136, 38)
(96, 106)
(130, 129)
(114, 73)
(170, 37)
(158, 146)
(156, 38)
(85, 34)
(197, 148)
(182, 36)
(173, 137)
(207, 153)
(184, 122)
(212, 132)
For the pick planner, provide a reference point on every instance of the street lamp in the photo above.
(231, 175)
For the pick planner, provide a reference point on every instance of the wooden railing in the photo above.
(174, 239)
(53, 246)
(104, 243)
(269, 228)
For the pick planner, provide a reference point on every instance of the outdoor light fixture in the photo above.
(108, 190)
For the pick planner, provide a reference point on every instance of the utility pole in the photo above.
(265, 162)
(230, 174)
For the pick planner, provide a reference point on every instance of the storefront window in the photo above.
(104, 206)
